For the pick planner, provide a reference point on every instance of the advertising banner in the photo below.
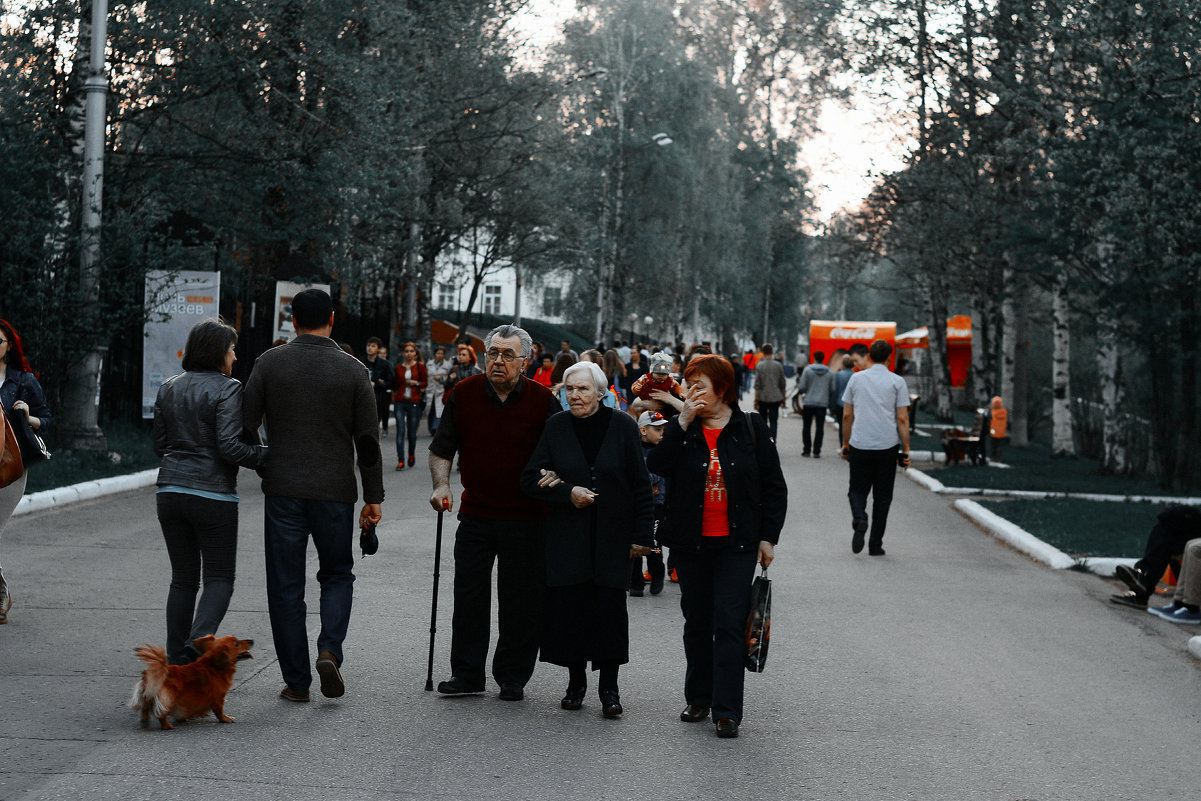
(284, 292)
(175, 302)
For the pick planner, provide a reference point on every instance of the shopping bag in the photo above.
(758, 624)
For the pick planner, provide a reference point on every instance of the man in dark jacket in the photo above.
(493, 421)
(320, 411)
(379, 371)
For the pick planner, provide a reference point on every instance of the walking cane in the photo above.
(429, 675)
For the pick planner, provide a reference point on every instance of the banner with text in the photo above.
(175, 302)
(284, 292)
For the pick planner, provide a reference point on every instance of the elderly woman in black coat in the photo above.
(588, 467)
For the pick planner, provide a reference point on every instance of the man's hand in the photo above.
(642, 550)
(371, 514)
(903, 459)
(582, 497)
(549, 479)
(441, 498)
(767, 553)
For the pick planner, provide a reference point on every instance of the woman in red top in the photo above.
(543, 374)
(410, 383)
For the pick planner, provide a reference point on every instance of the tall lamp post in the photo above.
(609, 266)
(82, 393)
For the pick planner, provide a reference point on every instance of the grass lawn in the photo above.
(130, 450)
(1083, 528)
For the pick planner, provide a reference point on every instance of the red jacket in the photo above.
(404, 392)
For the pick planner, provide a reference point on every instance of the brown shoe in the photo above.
(6, 603)
(694, 714)
(290, 694)
(331, 678)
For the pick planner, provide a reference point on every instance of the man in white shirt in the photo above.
(875, 421)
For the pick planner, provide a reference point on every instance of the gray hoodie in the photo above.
(817, 385)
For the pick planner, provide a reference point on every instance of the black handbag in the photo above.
(758, 624)
(33, 449)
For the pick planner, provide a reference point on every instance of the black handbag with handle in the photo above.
(758, 624)
(33, 449)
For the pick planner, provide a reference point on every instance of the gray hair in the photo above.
(593, 370)
(507, 331)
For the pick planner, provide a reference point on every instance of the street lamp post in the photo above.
(81, 399)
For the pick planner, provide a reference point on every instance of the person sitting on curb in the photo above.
(1177, 525)
(1186, 604)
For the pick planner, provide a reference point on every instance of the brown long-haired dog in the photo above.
(188, 691)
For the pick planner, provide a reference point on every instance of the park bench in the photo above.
(958, 444)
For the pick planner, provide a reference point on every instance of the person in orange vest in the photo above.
(998, 423)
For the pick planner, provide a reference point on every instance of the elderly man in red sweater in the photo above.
(494, 421)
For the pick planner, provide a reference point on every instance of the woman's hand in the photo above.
(642, 550)
(582, 497)
(549, 479)
(694, 402)
(767, 552)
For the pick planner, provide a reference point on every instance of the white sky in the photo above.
(842, 160)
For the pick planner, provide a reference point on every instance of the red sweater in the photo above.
(495, 443)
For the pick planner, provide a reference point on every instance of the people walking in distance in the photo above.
(466, 365)
(410, 381)
(493, 421)
(1174, 527)
(588, 469)
(770, 388)
(876, 421)
(20, 392)
(650, 429)
(436, 371)
(320, 412)
(565, 347)
(726, 502)
(379, 371)
(198, 436)
(817, 390)
(840, 384)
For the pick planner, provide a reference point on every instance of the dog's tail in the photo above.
(149, 688)
(151, 654)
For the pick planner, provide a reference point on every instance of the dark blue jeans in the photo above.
(715, 595)
(811, 415)
(200, 533)
(288, 524)
(408, 417)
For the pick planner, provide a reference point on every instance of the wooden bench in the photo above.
(958, 444)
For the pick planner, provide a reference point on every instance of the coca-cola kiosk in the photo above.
(835, 337)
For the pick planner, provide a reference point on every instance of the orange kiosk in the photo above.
(959, 346)
(831, 335)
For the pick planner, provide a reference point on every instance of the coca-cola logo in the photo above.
(960, 333)
(853, 333)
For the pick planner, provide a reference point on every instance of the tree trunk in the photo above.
(1013, 365)
(1184, 476)
(1115, 448)
(984, 329)
(1063, 441)
(936, 325)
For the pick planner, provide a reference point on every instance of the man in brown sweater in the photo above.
(494, 421)
(320, 411)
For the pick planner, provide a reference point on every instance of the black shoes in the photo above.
(636, 592)
(726, 728)
(859, 528)
(610, 703)
(1136, 580)
(511, 691)
(694, 714)
(456, 685)
(573, 699)
(656, 585)
(875, 550)
(1131, 598)
(332, 685)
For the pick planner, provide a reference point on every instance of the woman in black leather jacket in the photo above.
(198, 435)
(726, 501)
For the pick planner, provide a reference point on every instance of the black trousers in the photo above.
(872, 472)
(1177, 525)
(771, 415)
(809, 415)
(715, 596)
(516, 547)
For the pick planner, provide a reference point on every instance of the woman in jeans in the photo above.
(726, 500)
(409, 383)
(20, 392)
(198, 436)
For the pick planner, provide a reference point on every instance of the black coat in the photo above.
(623, 509)
(758, 496)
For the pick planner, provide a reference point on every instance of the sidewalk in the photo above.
(950, 669)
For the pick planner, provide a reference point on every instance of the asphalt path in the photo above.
(952, 668)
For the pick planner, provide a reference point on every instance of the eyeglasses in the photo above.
(507, 356)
